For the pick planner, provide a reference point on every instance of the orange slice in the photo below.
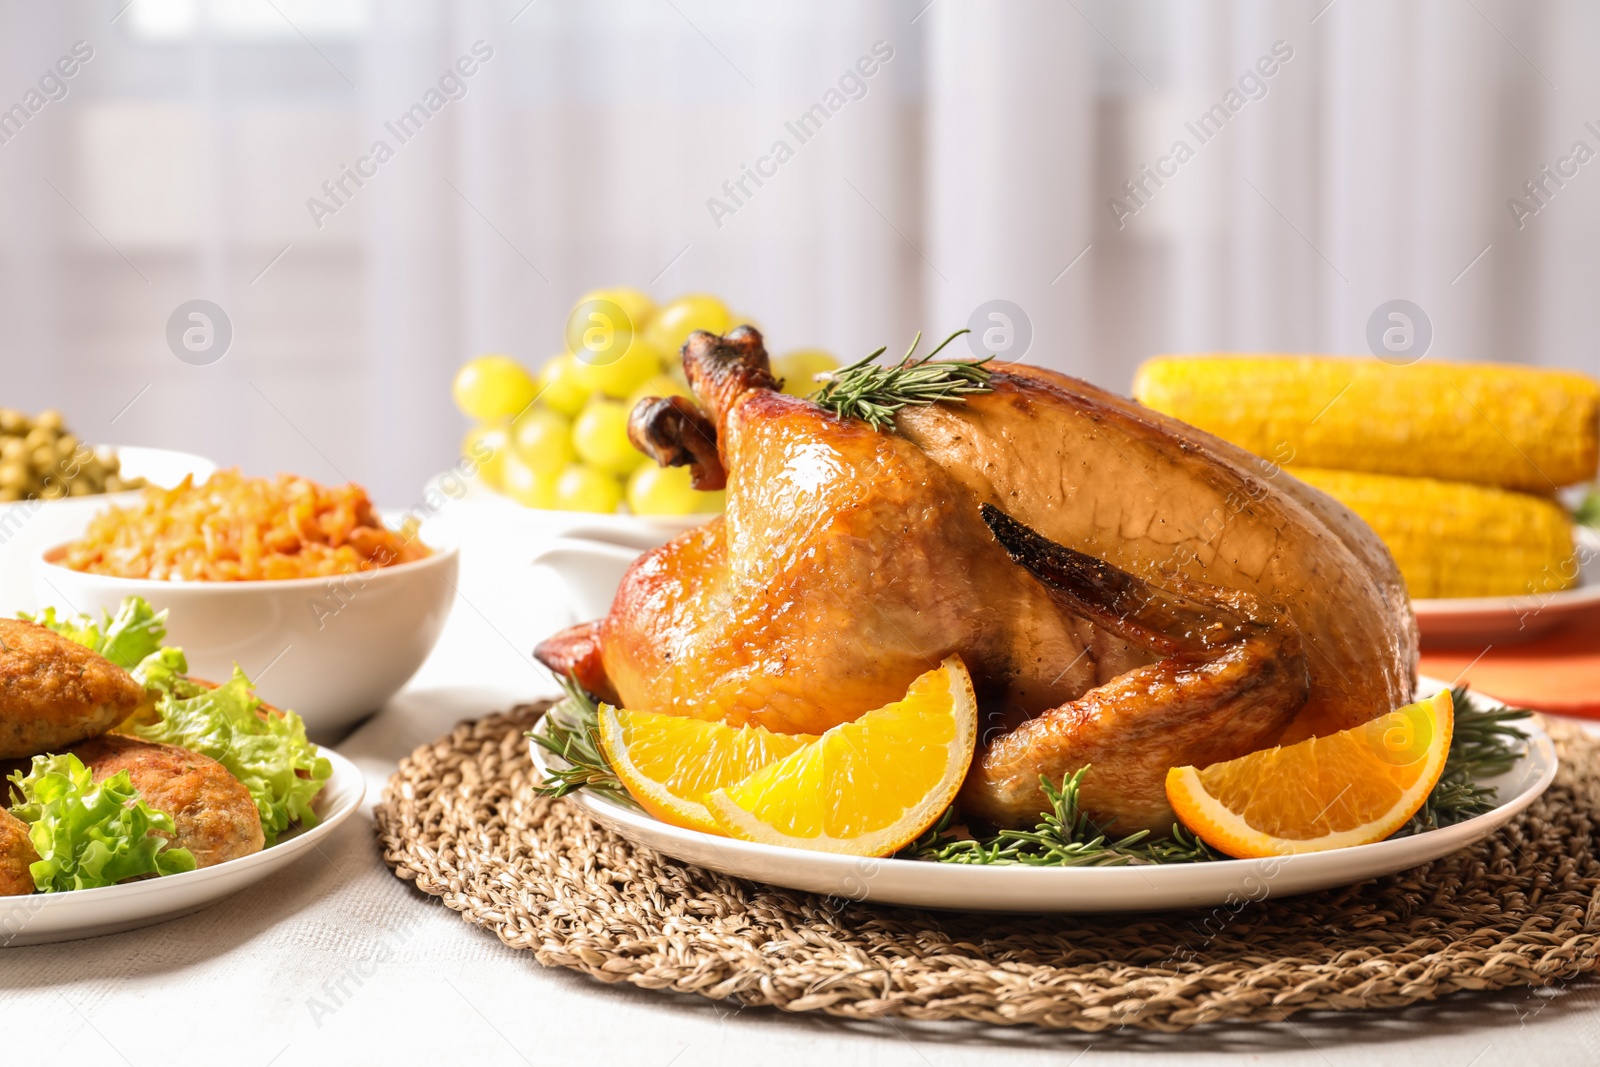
(1350, 788)
(669, 763)
(864, 788)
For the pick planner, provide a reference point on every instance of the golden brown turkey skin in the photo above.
(1156, 498)
(846, 564)
(1232, 676)
(850, 560)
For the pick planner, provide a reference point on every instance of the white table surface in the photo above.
(336, 961)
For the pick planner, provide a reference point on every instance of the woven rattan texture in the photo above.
(460, 820)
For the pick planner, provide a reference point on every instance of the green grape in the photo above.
(617, 375)
(559, 388)
(676, 320)
(797, 370)
(635, 304)
(654, 490)
(485, 446)
(599, 331)
(660, 385)
(525, 485)
(710, 503)
(583, 488)
(493, 387)
(600, 434)
(543, 439)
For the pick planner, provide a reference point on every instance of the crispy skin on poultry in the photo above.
(213, 814)
(850, 560)
(1230, 670)
(54, 692)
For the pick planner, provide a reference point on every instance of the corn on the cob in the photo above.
(1516, 427)
(1452, 539)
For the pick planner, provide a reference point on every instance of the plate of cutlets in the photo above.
(135, 793)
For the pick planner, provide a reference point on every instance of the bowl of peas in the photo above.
(40, 459)
(52, 482)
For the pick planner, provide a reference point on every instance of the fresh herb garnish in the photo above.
(873, 393)
(570, 729)
(1481, 747)
(1064, 837)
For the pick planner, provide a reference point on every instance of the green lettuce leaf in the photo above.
(90, 835)
(164, 673)
(136, 631)
(264, 752)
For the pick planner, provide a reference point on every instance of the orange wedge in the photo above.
(669, 763)
(868, 787)
(1350, 788)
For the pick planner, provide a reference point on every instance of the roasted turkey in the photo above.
(1128, 592)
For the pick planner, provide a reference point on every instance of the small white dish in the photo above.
(26, 526)
(46, 917)
(593, 556)
(591, 570)
(332, 649)
(1445, 623)
(1077, 890)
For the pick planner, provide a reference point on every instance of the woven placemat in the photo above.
(460, 820)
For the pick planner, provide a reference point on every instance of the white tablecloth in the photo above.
(336, 961)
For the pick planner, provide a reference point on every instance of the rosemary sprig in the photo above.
(571, 730)
(868, 391)
(1481, 747)
(1065, 836)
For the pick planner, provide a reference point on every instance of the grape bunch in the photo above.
(559, 439)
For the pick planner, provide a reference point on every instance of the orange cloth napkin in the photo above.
(1558, 673)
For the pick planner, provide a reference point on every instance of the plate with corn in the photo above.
(1458, 467)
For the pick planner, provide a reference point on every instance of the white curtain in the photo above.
(984, 159)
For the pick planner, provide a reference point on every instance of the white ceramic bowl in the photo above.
(27, 526)
(332, 649)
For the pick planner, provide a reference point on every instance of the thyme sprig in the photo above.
(571, 730)
(874, 393)
(1065, 836)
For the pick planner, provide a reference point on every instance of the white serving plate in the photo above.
(1077, 890)
(46, 917)
(1447, 623)
(26, 526)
